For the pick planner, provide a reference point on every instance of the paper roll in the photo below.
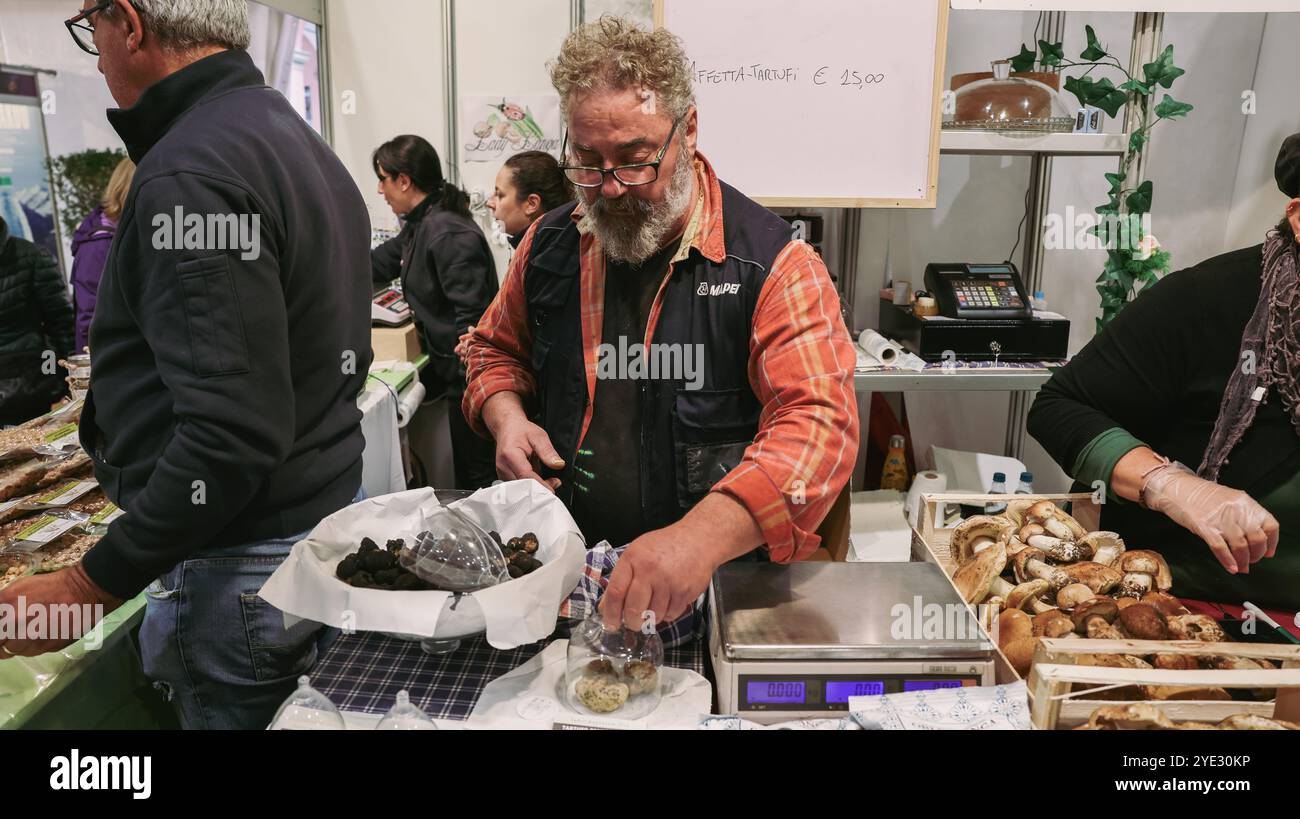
(925, 483)
(409, 402)
(879, 347)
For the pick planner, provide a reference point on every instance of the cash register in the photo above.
(985, 314)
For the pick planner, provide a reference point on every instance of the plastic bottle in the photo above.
(999, 487)
(894, 475)
(1039, 302)
(1026, 486)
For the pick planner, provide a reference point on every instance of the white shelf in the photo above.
(1004, 143)
(1130, 5)
(959, 380)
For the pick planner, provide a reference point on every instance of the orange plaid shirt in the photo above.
(801, 364)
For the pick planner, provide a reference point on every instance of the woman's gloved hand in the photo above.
(1237, 529)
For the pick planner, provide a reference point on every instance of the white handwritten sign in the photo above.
(831, 103)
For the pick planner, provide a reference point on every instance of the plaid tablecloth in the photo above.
(364, 672)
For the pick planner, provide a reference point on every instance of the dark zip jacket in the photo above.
(232, 332)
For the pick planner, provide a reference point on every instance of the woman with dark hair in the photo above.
(528, 185)
(1186, 409)
(448, 278)
(35, 329)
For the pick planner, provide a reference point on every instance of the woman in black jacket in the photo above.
(1185, 409)
(36, 329)
(448, 278)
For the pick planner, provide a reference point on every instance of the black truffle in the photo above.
(515, 571)
(362, 580)
(347, 567)
(395, 544)
(367, 546)
(387, 576)
(529, 542)
(376, 561)
(408, 582)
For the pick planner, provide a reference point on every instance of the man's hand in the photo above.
(665, 571)
(67, 587)
(523, 448)
(462, 345)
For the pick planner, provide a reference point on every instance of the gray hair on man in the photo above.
(182, 25)
(614, 54)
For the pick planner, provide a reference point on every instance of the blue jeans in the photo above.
(219, 652)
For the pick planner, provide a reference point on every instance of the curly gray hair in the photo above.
(615, 54)
(181, 25)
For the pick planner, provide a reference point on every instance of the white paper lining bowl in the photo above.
(511, 614)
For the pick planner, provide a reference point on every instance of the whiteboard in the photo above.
(832, 103)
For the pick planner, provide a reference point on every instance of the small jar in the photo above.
(613, 673)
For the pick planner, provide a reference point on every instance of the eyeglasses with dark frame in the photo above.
(637, 173)
(82, 23)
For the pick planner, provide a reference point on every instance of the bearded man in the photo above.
(662, 354)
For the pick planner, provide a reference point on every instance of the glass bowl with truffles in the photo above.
(452, 554)
(613, 672)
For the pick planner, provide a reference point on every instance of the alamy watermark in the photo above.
(52, 621)
(654, 362)
(1084, 230)
(179, 230)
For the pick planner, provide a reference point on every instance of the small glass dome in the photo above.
(613, 673)
(1006, 103)
(455, 554)
(405, 716)
(307, 710)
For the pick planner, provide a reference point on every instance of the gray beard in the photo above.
(640, 228)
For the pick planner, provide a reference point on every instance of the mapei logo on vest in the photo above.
(705, 289)
(102, 773)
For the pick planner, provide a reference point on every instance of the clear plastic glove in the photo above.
(1237, 529)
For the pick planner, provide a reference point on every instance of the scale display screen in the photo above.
(832, 693)
(841, 690)
(931, 685)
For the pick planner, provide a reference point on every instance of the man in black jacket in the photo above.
(230, 341)
(36, 323)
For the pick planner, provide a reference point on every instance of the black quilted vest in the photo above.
(692, 434)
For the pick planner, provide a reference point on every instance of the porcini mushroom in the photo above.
(1030, 563)
(1020, 654)
(975, 577)
(1185, 692)
(1013, 625)
(1055, 520)
(1030, 590)
(1016, 510)
(1030, 530)
(1101, 579)
(1055, 623)
(1144, 622)
(1106, 547)
(1074, 595)
(1195, 627)
(1166, 604)
(1136, 717)
(1062, 551)
(977, 533)
(1144, 571)
(1175, 662)
(1094, 619)
(1003, 589)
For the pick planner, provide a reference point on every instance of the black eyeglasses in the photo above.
(638, 173)
(81, 23)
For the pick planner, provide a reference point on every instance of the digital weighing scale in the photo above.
(389, 308)
(796, 641)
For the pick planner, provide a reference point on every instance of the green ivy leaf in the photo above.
(1163, 71)
(1116, 181)
(1081, 88)
(1053, 53)
(1170, 107)
(1139, 201)
(1024, 61)
(1136, 140)
(1094, 51)
(1107, 97)
(1137, 86)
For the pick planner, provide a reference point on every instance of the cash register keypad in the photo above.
(989, 293)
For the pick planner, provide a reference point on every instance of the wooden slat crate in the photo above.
(1055, 676)
(931, 539)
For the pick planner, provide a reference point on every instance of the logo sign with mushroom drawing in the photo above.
(497, 127)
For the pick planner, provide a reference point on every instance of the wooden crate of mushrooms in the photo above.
(1036, 573)
(1217, 686)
